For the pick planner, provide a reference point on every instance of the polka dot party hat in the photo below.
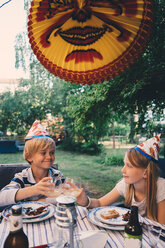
(150, 148)
(36, 131)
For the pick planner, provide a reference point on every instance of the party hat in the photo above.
(36, 131)
(150, 148)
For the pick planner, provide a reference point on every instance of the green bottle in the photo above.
(133, 230)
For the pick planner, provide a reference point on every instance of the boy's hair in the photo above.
(36, 144)
(140, 161)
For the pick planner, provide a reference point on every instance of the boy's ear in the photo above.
(29, 158)
(145, 174)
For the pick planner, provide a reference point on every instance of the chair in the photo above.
(7, 172)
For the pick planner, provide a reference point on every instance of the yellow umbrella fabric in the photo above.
(87, 42)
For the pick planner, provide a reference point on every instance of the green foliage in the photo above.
(113, 158)
(91, 148)
(120, 129)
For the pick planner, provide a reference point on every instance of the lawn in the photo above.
(97, 178)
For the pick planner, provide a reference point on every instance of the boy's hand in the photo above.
(43, 186)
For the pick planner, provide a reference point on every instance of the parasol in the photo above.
(89, 41)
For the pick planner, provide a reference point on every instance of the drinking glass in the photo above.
(72, 187)
(57, 190)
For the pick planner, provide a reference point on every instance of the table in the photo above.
(40, 233)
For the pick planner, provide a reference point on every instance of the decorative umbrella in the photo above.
(89, 41)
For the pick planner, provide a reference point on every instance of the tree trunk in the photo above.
(132, 130)
(113, 137)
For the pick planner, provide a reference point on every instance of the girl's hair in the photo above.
(140, 161)
(36, 144)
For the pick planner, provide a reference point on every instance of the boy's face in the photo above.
(43, 158)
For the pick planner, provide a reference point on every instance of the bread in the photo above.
(109, 214)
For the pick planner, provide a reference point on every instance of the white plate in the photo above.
(48, 214)
(92, 218)
(33, 207)
(113, 221)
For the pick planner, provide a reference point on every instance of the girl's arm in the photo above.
(160, 212)
(109, 198)
(106, 200)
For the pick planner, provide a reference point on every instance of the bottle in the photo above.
(133, 230)
(16, 238)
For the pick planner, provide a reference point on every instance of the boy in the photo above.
(32, 184)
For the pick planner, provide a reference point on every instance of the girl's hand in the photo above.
(43, 186)
(82, 199)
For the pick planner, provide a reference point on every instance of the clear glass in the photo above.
(68, 188)
(153, 233)
(61, 237)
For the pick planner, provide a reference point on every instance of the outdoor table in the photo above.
(41, 233)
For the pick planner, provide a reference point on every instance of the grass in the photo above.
(97, 178)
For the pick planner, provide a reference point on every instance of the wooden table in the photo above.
(40, 233)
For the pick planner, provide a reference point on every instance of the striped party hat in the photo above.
(36, 131)
(150, 148)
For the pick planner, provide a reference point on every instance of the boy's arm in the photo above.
(40, 188)
(7, 197)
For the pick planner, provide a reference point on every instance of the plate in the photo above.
(93, 220)
(113, 221)
(48, 214)
(33, 206)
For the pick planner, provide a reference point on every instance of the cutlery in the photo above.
(66, 245)
(85, 216)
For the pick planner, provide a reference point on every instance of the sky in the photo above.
(12, 22)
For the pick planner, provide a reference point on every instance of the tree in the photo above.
(87, 110)
(137, 90)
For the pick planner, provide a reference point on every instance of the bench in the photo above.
(10, 146)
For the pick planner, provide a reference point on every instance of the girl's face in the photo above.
(43, 158)
(132, 174)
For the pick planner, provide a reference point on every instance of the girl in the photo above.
(140, 184)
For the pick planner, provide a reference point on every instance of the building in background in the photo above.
(8, 84)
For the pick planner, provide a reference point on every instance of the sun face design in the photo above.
(85, 41)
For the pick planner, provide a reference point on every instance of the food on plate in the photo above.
(126, 216)
(31, 211)
(109, 214)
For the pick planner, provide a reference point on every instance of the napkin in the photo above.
(93, 239)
